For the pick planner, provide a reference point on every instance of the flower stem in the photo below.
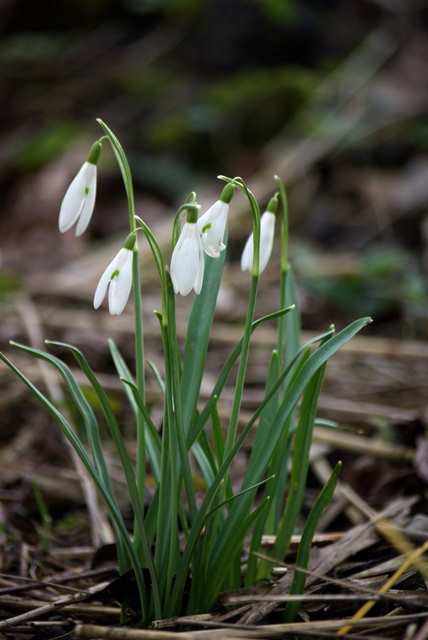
(243, 362)
(138, 312)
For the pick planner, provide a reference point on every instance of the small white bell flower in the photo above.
(187, 261)
(117, 278)
(212, 224)
(267, 231)
(79, 201)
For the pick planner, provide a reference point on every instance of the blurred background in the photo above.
(332, 95)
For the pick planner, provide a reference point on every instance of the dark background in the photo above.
(332, 95)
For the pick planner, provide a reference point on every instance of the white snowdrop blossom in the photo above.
(212, 227)
(187, 262)
(79, 201)
(267, 230)
(117, 278)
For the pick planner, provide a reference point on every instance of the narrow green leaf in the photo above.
(266, 416)
(74, 440)
(83, 406)
(153, 442)
(197, 337)
(217, 432)
(300, 464)
(216, 575)
(224, 374)
(259, 460)
(238, 495)
(123, 454)
(289, 326)
(149, 423)
(157, 374)
(304, 550)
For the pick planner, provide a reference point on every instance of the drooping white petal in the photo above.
(267, 230)
(212, 226)
(120, 287)
(200, 274)
(89, 201)
(79, 195)
(187, 262)
(104, 281)
(247, 255)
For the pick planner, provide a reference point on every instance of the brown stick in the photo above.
(39, 611)
(233, 631)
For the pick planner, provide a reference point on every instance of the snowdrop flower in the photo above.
(117, 278)
(79, 201)
(187, 262)
(212, 224)
(267, 230)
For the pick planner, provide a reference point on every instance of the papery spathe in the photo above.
(187, 262)
(267, 230)
(212, 226)
(117, 278)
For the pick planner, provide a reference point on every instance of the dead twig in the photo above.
(37, 611)
(355, 540)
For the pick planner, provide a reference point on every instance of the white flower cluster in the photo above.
(204, 235)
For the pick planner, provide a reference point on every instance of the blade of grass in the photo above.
(267, 415)
(304, 550)
(260, 460)
(157, 374)
(197, 337)
(300, 464)
(85, 409)
(81, 451)
(288, 327)
(123, 454)
(315, 361)
(225, 371)
(152, 436)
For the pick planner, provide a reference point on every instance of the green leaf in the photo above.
(157, 374)
(300, 464)
(304, 550)
(75, 441)
(289, 333)
(214, 581)
(260, 458)
(267, 415)
(153, 442)
(197, 337)
(124, 458)
(90, 421)
(224, 374)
